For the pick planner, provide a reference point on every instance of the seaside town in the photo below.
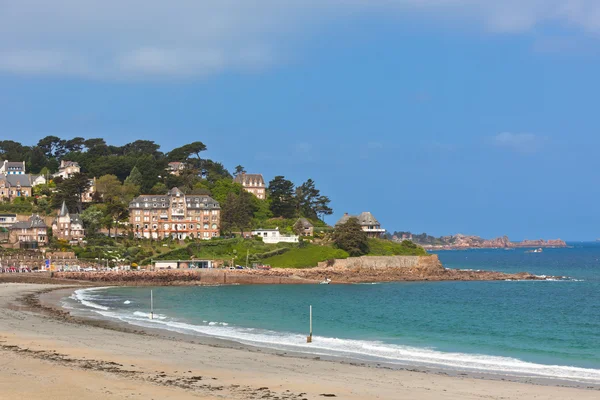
(83, 205)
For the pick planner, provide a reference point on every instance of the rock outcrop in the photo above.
(473, 242)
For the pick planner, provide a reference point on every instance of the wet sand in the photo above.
(53, 356)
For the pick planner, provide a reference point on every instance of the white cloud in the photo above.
(117, 39)
(519, 142)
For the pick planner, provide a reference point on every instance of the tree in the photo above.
(239, 170)
(74, 145)
(223, 187)
(135, 177)
(243, 211)
(159, 188)
(71, 191)
(350, 237)
(52, 146)
(109, 187)
(37, 160)
(92, 219)
(281, 193)
(228, 213)
(310, 202)
(322, 207)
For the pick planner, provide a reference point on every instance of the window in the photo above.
(214, 226)
(206, 234)
(205, 226)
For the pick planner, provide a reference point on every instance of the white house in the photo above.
(274, 236)
(12, 168)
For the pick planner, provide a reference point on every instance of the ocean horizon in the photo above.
(546, 329)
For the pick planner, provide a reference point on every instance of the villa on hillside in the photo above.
(274, 236)
(68, 226)
(305, 226)
(67, 169)
(13, 186)
(252, 183)
(12, 167)
(30, 234)
(175, 215)
(368, 224)
(175, 167)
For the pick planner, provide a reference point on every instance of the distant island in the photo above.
(461, 241)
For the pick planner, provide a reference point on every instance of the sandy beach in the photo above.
(44, 356)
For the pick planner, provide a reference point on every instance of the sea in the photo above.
(546, 329)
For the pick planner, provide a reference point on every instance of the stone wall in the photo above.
(376, 262)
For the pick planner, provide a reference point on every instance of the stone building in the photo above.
(175, 215)
(368, 223)
(252, 183)
(67, 169)
(68, 226)
(304, 227)
(13, 186)
(30, 234)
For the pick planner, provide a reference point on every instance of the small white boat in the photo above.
(325, 282)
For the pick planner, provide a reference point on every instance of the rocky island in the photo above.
(461, 241)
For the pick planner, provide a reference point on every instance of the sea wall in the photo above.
(375, 262)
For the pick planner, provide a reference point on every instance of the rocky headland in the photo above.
(460, 241)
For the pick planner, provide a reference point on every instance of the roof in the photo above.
(63, 210)
(14, 164)
(65, 164)
(9, 215)
(365, 218)
(35, 221)
(305, 223)
(23, 180)
(164, 200)
(250, 179)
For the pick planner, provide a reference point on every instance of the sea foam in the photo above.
(370, 351)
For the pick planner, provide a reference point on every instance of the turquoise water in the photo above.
(542, 328)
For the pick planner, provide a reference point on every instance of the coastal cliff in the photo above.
(351, 270)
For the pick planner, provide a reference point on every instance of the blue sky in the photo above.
(440, 116)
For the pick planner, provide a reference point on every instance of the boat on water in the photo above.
(325, 282)
(540, 250)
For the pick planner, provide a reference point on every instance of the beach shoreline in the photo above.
(50, 297)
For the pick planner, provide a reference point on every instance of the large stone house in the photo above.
(30, 234)
(368, 223)
(175, 215)
(67, 169)
(12, 167)
(68, 226)
(252, 183)
(13, 186)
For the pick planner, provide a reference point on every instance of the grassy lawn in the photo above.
(308, 256)
(379, 247)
